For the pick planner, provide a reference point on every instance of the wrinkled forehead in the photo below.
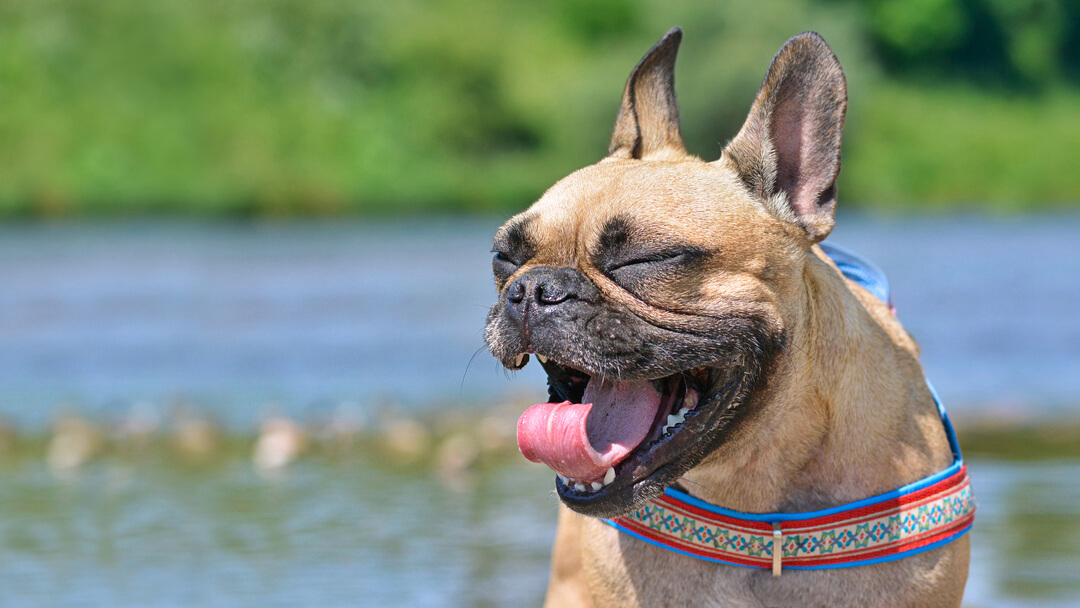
(687, 202)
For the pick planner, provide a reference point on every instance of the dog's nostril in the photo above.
(547, 293)
(516, 293)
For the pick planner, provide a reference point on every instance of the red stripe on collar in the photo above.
(880, 529)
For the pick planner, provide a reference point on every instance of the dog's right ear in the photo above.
(788, 150)
(648, 123)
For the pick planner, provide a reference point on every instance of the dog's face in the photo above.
(656, 289)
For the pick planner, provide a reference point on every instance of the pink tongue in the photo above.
(582, 440)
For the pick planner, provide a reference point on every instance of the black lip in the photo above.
(655, 465)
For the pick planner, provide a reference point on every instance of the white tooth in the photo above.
(541, 358)
(690, 400)
(609, 476)
(682, 412)
(596, 486)
(519, 360)
(672, 420)
(563, 478)
(580, 487)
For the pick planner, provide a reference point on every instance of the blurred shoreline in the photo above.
(447, 442)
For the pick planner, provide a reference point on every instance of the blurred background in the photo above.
(245, 259)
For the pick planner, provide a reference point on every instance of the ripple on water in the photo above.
(348, 533)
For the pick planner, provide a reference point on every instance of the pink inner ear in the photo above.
(806, 165)
(788, 137)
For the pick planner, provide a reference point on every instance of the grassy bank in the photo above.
(933, 148)
(290, 107)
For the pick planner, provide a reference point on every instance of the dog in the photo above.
(696, 337)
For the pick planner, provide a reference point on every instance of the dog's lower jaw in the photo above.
(651, 469)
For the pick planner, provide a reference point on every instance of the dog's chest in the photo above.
(623, 571)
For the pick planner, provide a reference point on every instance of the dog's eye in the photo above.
(503, 266)
(504, 258)
(660, 257)
(638, 274)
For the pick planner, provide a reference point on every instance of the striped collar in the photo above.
(918, 517)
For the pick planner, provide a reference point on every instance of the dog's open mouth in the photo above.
(612, 443)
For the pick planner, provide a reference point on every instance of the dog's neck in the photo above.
(853, 418)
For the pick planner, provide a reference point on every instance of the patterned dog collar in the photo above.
(918, 517)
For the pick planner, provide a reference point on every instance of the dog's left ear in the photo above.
(648, 123)
(788, 151)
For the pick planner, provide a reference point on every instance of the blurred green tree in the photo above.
(312, 107)
(1022, 43)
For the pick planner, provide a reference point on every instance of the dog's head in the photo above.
(656, 289)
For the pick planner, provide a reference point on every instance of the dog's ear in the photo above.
(788, 151)
(648, 123)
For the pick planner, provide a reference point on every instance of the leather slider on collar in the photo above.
(777, 548)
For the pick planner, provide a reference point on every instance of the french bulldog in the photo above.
(695, 335)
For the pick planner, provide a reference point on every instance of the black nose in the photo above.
(542, 288)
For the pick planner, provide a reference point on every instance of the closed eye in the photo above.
(502, 257)
(655, 258)
(503, 266)
(642, 274)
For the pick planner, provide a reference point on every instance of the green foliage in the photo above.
(956, 146)
(1014, 42)
(283, 107)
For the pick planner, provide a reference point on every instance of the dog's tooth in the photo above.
(682, 412)
(690, 401)
(521, 360)
(596, 485)
(541, 358)
(672, 420)
(609, 476)
(580, 487)
(563, 478)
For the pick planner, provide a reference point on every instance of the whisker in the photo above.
(461, 387)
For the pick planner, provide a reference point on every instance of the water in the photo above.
(352, 533)
(307, 319)
(319, 535)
